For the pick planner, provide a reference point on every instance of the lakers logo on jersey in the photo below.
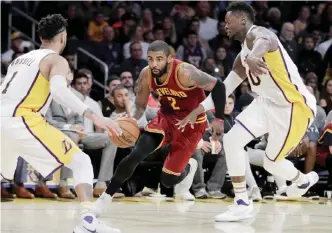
(67, 146)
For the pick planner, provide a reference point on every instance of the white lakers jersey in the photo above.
(283, 84)
(24, 89)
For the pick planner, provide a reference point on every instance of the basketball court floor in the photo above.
(144, 215)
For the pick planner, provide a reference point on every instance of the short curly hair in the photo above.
(51, 25)
(242, 7)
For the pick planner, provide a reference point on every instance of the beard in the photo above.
(161, 73)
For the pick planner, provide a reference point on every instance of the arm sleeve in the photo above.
(62, 95)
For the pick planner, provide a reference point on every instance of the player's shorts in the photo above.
(183, 144)
(43, 146)
(286, 125)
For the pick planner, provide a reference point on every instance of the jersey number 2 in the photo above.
(11, 79)
(256, 81)
(173, 103)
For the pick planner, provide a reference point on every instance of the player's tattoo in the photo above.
(198, 78)
(142, 95)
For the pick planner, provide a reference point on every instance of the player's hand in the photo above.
(110, 126)
(217, 126)
(256, 65)
(206, 147)
(189, 119)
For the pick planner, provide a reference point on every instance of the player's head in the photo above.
(120, 95)
(238, 16)
(159, 56)
(52, 29)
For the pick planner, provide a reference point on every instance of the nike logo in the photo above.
(95, 231)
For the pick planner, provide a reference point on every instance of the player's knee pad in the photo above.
(168, 180)
(82, 169)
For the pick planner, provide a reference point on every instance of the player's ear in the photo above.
(169, 59)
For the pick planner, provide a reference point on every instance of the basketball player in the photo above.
(180, 87)
(32, 81)
(284, 108)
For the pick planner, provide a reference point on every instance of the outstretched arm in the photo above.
(142, 96)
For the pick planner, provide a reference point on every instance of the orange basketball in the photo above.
(130, 133)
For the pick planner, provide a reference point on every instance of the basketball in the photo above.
(130, 133)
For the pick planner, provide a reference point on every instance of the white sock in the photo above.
(280, 182)
(300, 179)
(86, 209)
(250, 179)
(240, 191)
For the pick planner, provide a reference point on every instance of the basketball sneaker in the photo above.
(295, 190)
(254, 194)
(236, 212)
(90, 224)
(101, 204)
(181, 190)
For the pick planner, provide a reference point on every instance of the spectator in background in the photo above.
(135, 63)
(147, 21)
(110, 51)
(88, 74)
(126, 79)
(107, 106)
(301, 23)
(115, 19)
(209, 67)
(136, 35)
(18, 45)
(215, 42)
(148, 36)
(309, 60)
(224, 60)
(75, 29)
(207, 26)
(311, 80)
(71, 60)
(129, 20)
(170, 31)
(286, 38)
(326, 98)
(274, 19)
(158, 32)
(192, 53)
(324, 46)
(230, 115)
(96, 27)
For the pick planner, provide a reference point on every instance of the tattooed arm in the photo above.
(142, 96)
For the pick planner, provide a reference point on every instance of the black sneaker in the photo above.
(268, 191)
(312, 195)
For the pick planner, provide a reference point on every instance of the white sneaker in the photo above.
(181, 190)
(297, 191)
(101, 204)
(236, 212)
(254, 194)
(90, 224)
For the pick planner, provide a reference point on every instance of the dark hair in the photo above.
(80, 74)
(243, 7)
(51, 25)
(132, 44)
(158, 27)
(111, 80)
(232, 96)
(119, 87)
(159, 45)
(191, 32)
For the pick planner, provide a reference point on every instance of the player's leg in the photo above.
(251, 123)
(287, 127)
(179, 168)
(47, 154)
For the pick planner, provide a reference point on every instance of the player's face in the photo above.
(121, 96)
(235, 23)
(158, 62)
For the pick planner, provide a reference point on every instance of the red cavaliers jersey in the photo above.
(175, 99)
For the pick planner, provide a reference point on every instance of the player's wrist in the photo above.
(219, 120)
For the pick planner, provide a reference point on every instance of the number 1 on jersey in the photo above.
(173, 103)
(6, 88)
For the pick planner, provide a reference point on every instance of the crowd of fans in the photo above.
(119, 34)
